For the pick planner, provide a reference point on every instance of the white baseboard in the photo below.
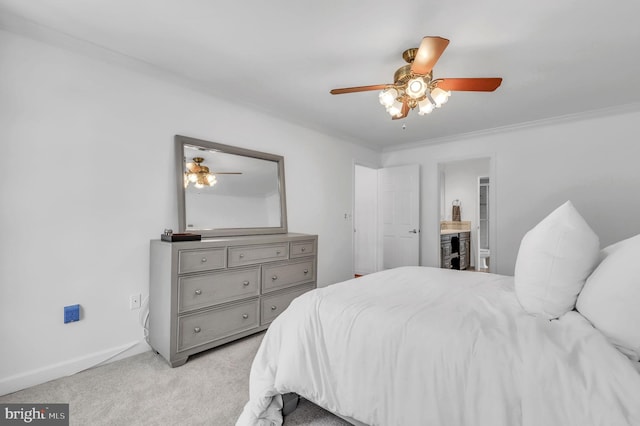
(67, 368)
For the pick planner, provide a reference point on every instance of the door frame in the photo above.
(438, 206)
(477, 247)
(378, 247)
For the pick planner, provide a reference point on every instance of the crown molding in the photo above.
(580, 116)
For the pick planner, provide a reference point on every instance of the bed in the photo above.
(429, 346)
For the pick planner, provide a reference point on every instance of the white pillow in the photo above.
(554, 260)
(611, 296)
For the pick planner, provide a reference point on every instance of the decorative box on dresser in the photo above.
(206, 293)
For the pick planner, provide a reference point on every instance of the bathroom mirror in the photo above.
(224, 190)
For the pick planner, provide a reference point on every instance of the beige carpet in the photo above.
(210, 389)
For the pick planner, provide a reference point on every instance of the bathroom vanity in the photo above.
(455, 245)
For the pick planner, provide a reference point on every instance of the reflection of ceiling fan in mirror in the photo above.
(413, 84)
(200, 176)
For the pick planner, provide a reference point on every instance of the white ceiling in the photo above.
(283, 56)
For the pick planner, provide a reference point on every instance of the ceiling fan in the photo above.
(199, 174)
(414, 86)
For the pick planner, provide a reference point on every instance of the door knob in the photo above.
(413, 231)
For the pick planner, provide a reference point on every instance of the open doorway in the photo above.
(483, 247)
(461, 200)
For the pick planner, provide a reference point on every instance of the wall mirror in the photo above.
(224, 190)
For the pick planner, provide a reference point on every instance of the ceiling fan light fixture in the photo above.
(199, 174)
(388, 96)
(416, 88)
(440, 97)
(413, 84)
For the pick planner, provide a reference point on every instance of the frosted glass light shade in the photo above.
(395, 109)
(388, 96)
(440, 96)
(425, 106)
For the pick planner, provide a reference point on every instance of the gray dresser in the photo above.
(203, 294)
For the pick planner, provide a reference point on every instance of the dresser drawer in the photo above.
(201, 260)
(302, 248)
(273, 305)
(287, 274)
(200, 291)
(250, 255)
(204, 327)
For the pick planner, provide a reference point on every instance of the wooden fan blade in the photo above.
(428, 54)
(359, 89)
(470, 84)
(403, 112)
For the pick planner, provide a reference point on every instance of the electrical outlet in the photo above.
(71, 313)
(135, 301)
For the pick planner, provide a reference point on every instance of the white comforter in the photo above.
(427, 346)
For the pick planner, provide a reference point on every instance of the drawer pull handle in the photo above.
(198, 292)
(275, 277)
(302, 249)
(274, 307)
(277, 251)
(241, 255)
(245, 316)
(196, 330)
(306, 271)
(203, 260)
(245, 283)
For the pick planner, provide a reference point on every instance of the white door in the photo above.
(365, 220)
(400, 202)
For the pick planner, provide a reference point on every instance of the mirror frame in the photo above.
(180, 142)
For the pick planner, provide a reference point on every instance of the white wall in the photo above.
(86, 180)
(590, 160)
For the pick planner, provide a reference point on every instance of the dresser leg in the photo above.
(179, 362)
